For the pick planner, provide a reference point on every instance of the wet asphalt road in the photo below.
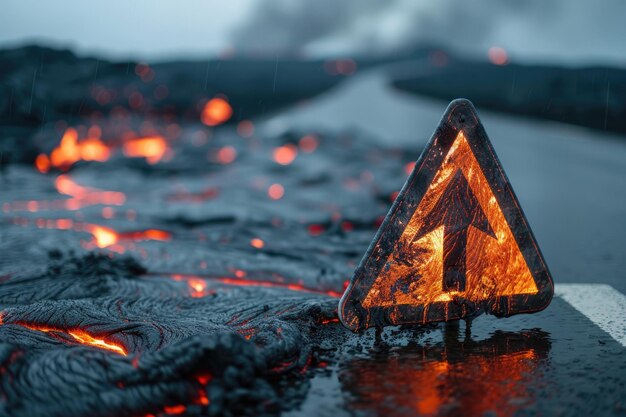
(571, 183)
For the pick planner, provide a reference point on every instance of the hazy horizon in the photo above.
(565, 31)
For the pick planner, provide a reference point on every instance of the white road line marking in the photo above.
(600, 303)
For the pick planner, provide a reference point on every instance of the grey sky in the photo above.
(125, 28)
(572, 31)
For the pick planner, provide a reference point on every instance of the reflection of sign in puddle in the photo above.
(465, 378)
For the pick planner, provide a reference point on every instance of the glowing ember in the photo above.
(216, 111)
(80, 336)
(175, 409)
(285, 155)
(308, 143)
(152, 148)
(198, 287)
(202, 398)
(203, 379)
(276, 191)
(42, 162)
(315, 229)
(245, 129)
(226, 155)
(498, 56)
(103, 236)
(257, 243)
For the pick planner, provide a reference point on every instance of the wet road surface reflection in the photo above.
(459, 377)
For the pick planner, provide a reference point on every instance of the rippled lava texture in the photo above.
(201, 281)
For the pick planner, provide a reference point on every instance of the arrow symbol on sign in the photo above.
(456, 210)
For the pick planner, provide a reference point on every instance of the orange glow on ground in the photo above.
(81, 197)
(153, 148)
(286, 154)
(198, 287)
(79, 336)
(308, 143)
(87, 339)
(226, 155)
(103, 236)
(202, 398)
(65, 185)
(42, 162)
(315, 229)
(175, 409)
(216, 111)
(276, 191)
(245, 129)
(494, 264)
(71, 150)
(242, 282)
(257, 243)
(204, 379)
(149, 234)
(93, 149)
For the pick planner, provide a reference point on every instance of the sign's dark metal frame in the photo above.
(459, 116)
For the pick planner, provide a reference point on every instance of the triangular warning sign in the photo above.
(455, 242)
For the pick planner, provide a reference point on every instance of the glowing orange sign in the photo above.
(454, 244)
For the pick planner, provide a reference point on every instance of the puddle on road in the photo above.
(446, 372)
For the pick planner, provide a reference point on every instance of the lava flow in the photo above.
(79, 336)
(103, 237)
(71, 149)
(216, 111)
(152, 148)
(197, 283)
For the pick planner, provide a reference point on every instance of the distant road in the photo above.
(571, 181)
